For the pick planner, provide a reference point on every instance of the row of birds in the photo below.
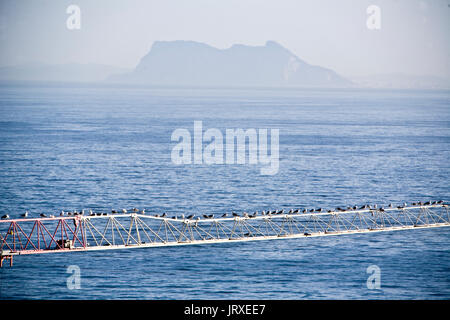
(234, 214)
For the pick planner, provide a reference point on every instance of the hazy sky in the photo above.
(413, 38)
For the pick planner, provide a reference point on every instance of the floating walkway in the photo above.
(135, 230)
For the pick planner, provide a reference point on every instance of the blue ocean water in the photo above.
(99, 147)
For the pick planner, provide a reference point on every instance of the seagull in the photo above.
(235, 214)
(190, 216)
(61, 213)
(245, 215)
(43, 215)
(25, 214)
(291, 211)
(6, 216)
(124, 210)
(263, 213)
(143, 211)
(390, 205)
(52, 216)
(381, 209)
(224, 215)
(205, 216)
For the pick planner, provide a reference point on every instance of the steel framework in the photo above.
(133, 230)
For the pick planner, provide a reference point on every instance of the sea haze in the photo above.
(105, 147)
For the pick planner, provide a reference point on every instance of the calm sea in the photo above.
(93, 147)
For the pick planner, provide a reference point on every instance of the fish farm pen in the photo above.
(101, 231)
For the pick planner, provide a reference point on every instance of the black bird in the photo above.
(399, 207)
(291, 211)
(362, 207)
(163, 215)
(224, 215)
(135, 209)
(104, 214)
(307, 234)
(190, 216)
(43, 215)
(210, 216)
(114, 211)
(157, 215)
(414, 204)
(205, 216)
(381, 209)
(427, 203)
(24, 214)
(312, 210)
(339, 209)
(354, 207)
(304, 211)
(235, 214)
(440, 202)
(319, 210)
(329, 211)
(6, 216)
(296, 211)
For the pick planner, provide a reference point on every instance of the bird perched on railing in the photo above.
(224, 215)
(24, 214)
(43, 215)
(6, 216)
(235, 214)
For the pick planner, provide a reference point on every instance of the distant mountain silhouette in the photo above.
(71, 72)
(189, 63)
